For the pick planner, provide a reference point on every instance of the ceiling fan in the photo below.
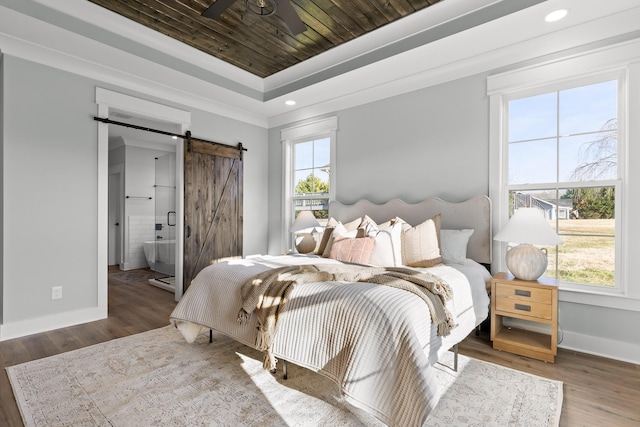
(282, 8)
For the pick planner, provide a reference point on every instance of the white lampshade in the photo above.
(305, 221)
(528, 227)
(305, 224)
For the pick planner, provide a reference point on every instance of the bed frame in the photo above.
(472, 213)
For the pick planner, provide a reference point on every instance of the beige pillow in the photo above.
(421, 244)
(352, 225)
(328, 229)
(354, 250)
(367, 227)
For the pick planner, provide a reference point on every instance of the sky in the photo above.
(554, 129)
(312, 156)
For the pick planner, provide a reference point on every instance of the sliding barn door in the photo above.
(213, 205)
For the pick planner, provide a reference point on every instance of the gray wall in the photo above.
(50, 198)
(412, 146)
(415, 145)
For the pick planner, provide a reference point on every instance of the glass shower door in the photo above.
(165, 214)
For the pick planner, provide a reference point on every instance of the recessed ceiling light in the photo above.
(290, 102)
(556, 15)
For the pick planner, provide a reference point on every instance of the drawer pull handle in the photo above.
(522, 293)
(523, 307)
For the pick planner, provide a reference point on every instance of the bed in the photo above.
(377, 343)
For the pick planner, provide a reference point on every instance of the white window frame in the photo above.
(619, 76)
(318, 129)
(620, 62)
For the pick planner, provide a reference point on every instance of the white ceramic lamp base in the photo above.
(526, 262)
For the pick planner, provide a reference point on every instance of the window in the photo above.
(561, 156)
(311, 172)
(560, 147)
(309, 179)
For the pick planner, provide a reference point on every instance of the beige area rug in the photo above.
(157, 379)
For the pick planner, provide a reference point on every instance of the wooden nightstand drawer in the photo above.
(534, 301)
(523, 293)
(524, 308)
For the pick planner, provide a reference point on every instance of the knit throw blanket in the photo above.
(267, 294)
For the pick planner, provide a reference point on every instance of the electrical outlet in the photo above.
(56, 292)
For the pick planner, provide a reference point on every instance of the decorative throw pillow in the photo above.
(367, 227)
(453, 244)
(385, 225)
(353, 250)
(421, 245)
(387, 251)
(328, 229)
(338, 230)
(353, 225)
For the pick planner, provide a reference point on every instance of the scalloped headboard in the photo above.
(472, 213)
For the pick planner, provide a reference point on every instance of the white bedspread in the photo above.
(377, 343)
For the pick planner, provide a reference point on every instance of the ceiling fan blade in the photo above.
(216, 9)
(290, 17)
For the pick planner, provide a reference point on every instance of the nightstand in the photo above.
(535, 301)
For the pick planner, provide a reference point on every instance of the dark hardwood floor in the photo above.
(597, 391)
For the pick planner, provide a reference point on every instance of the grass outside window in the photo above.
(587, 255)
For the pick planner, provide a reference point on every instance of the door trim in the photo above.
(107, 101)
(118, 172)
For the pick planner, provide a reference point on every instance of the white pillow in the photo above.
(387, 251)
(453, 244)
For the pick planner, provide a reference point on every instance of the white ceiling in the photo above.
(449, 40)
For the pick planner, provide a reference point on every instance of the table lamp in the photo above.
(528, 227)
(304, 226)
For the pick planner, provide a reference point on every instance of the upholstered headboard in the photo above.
(472, 213)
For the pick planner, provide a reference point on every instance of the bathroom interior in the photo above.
(142, 201)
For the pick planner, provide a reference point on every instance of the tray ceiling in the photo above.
(264, 45)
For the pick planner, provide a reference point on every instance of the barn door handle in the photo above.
(188, 231)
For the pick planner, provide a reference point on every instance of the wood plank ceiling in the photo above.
(264, 45)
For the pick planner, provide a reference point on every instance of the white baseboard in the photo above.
(604, 347)
(597, 346)
(48, 323)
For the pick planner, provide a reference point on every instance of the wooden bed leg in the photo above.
(210, 335)
(284, 369)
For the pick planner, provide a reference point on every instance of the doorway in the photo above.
(122, 107)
